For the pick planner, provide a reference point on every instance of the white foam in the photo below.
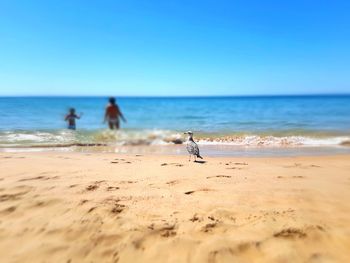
(156, 137)
(273, 141)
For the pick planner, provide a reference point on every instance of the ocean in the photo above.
(264, 123)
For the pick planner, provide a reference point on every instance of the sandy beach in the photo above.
(83, 207)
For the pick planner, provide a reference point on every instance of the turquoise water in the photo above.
(241, 121)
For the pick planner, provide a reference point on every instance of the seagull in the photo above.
(192, 147)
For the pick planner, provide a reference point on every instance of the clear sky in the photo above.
(183, 47)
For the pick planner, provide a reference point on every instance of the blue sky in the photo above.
(171, 48)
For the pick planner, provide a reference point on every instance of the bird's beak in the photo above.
(185, 132)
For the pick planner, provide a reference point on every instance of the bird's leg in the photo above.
(195, 158)
(190, 158)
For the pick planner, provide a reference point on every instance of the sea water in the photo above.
(263, 122)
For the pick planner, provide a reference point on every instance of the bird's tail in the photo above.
(198, 156)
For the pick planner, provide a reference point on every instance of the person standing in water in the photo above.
(70, 118)
(113, 114)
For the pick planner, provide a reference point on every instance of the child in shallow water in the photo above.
(70, 118)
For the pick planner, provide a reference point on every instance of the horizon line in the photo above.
(176, 96)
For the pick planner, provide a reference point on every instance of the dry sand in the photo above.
(77, 207)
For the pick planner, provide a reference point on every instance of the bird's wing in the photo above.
(192, 148)
(196, 149)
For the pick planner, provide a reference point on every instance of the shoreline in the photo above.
(61, 138)
(180, 149)
(90, 207)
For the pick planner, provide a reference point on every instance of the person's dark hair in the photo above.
(112, 100)
(71, 110)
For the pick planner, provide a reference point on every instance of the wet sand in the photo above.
(83, 207)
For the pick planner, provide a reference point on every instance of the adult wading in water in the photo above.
(113, 114)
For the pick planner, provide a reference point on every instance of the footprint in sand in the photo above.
(209, 227)
(301, 166)
(199, 190)
(166, 230)
(47, 202)
(298, 176)
(116, 256)
(235, 163)
(12, 197)
(219, 176)
(117, 208)
(215, 255)
(112, 188)
(38, 178)
(297, 233)
(290, 233)
(127, 182)
(83, 201)
(94, 186)
(23, 189)
(122, 161)
(10, 157)
(172, 182)
(240, 163)
(235, 167)
(295, 176)
(92, 209)
(195, 218)
(174, 164)
(8, 210)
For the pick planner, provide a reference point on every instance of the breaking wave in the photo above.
(67, 138)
